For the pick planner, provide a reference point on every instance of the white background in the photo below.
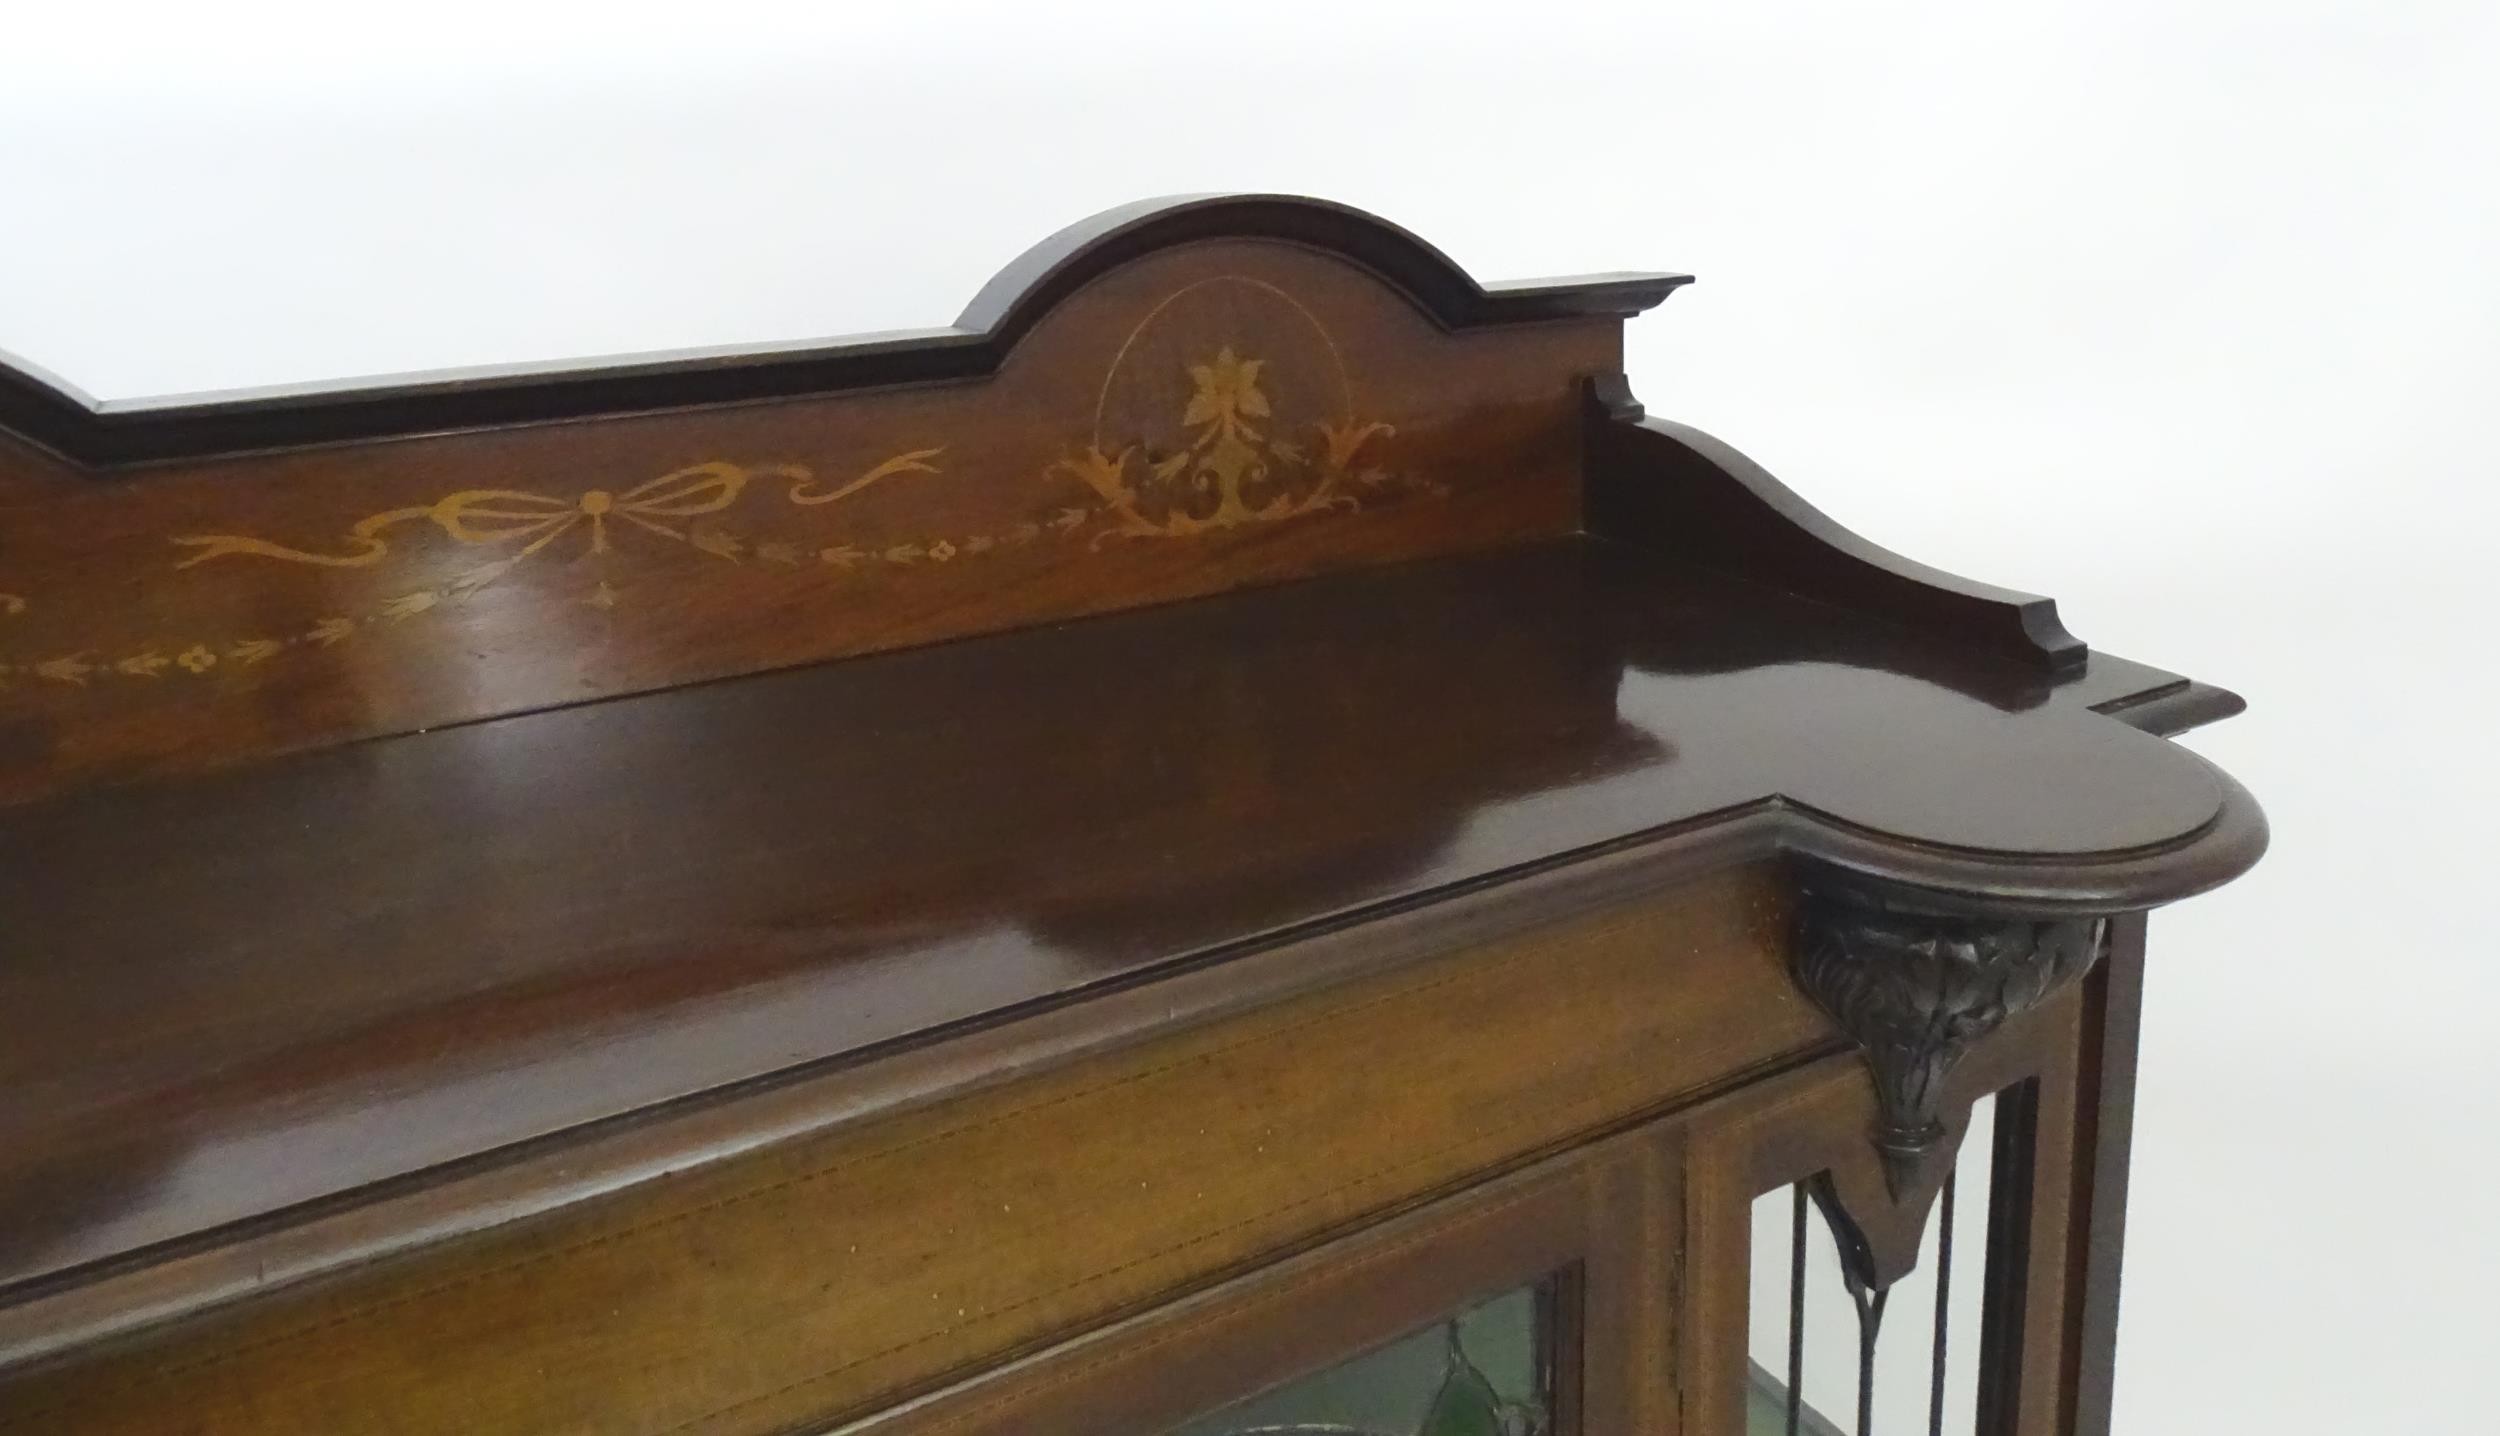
(2188, 314)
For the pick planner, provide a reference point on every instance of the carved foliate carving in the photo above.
(1916, 989)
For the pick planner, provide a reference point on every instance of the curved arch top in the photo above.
(1018, 295)
(54, 415)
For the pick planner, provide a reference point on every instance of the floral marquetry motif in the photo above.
(1253, 476)
(1246, 448)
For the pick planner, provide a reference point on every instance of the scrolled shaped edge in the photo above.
(1677, 491)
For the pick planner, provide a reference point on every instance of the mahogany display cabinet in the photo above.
(1236, 842)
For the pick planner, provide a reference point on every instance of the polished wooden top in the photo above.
(237, 992)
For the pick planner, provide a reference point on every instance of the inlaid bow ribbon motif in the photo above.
(515, 516)
(527, 522)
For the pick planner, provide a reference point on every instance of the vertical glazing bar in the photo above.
(2005, 1280)
(1866, 1378)
(1944, 1296)
(1870, 1322)
(1797, 1309)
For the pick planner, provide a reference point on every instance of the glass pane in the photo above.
(1483, 1372)
(1907, 1365)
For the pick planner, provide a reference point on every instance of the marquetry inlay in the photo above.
(1203, 419)
(1234, 457)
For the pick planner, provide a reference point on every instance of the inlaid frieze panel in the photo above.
(1217, 414)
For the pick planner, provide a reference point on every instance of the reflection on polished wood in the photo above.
(603, 907)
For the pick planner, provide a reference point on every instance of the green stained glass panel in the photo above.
(1484, 1372)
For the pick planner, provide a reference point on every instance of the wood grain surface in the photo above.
(830, 1275)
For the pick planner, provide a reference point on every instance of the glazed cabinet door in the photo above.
(1535, 1304)
(1826, 1294)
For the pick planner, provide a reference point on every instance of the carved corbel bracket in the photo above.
(1916, 986)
